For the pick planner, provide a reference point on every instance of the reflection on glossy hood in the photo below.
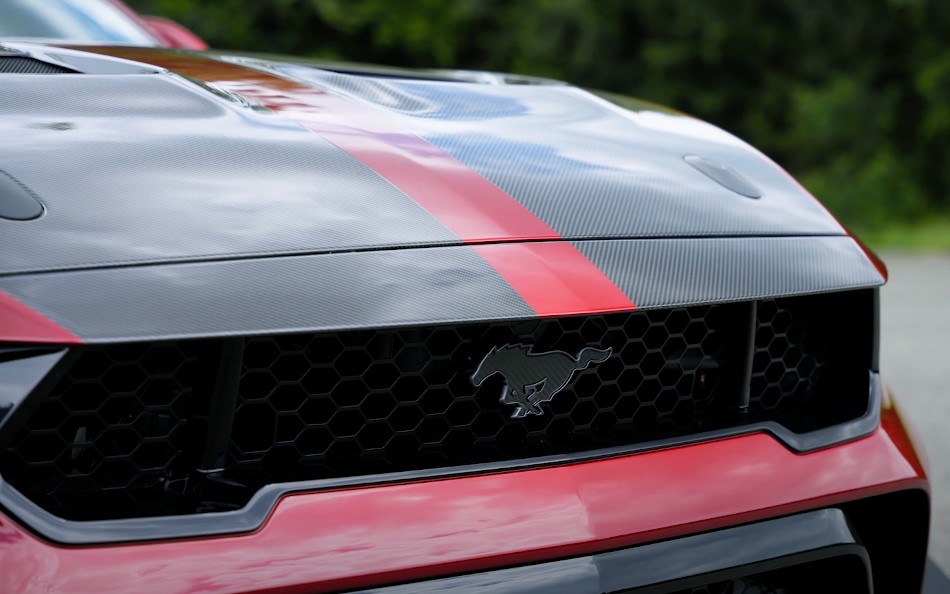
(222, 157)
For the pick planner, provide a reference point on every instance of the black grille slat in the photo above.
(144, 429)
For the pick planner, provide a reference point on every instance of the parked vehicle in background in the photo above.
(89, 21)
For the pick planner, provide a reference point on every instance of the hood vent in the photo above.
(18, 64)
(24, 58)
(17, 203)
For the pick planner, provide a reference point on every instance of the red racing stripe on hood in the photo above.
(470, 206)
(554, 280)
(19, 323)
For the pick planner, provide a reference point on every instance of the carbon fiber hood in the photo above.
(192, 164)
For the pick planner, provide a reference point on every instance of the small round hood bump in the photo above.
(723, 175)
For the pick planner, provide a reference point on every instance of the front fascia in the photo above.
(363, 537)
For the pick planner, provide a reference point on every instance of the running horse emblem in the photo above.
(532, 378)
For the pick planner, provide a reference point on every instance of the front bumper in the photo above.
(797, 552)
(396, 533)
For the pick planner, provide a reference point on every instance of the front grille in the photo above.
(108, 437)
(199, 425)
(796, 366)
(371, 402)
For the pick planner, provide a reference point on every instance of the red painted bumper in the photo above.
(359, 537)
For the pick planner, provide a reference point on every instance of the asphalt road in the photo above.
(915, 361)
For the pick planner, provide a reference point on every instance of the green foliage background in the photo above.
(851, 96)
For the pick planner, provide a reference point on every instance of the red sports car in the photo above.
(277, 326)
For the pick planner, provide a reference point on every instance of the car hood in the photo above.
(206, 156)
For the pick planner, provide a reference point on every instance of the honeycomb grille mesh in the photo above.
(785, 363)
(370, 402)
(108, 435)
(802, 353)
(180, 427)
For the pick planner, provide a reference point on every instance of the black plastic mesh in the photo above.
(26, 65)
(104, 441)
(369, 402)
(806, 350)
(152, 428)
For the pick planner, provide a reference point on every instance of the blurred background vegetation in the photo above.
(851, 96)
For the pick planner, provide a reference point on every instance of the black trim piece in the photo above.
(22, 372)
(749, 349)
(14, 353)
(223, 400)
(838, 552)
(254, 514)
(876, 336)
(669, 565)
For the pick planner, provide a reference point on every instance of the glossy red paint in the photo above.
(326, 541)
(555, 278)
(871, 256)
(894, 424)
(171, 34)
(19, 323)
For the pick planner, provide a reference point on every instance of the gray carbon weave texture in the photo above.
(272, 295)
(672, 272)
(584, 166)
(417, 286)
(145, 168)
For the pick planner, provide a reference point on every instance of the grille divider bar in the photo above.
(223, 402)
(748, 343)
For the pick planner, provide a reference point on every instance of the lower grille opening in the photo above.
(826, 576)
(192, 426)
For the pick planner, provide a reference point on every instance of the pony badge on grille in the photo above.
(532, 378)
